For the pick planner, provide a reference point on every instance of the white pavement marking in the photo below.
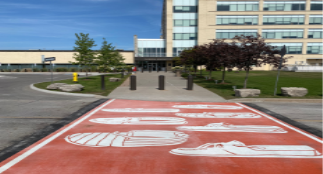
(134, 138)
(226, 127)
(207, 107)
(286, 125)
(42, 144)
(219, 115)
(238, 149)
(141, 110)
(141, 120)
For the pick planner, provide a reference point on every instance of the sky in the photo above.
(52, 24)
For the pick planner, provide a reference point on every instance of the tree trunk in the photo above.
(210, 73)
(201, 71)
(246, 79)
(223, 74)
(86, 70)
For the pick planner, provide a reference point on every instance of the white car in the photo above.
(135, 138)
(239, 149)
(140, 110)
(208, 107)
(219, 115)
(226, 127)
(141, 120)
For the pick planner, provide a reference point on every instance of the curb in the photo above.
(276, 100)
(64, 93)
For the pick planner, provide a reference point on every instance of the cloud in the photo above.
(20, 5)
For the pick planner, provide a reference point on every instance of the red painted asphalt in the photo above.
(147, 137)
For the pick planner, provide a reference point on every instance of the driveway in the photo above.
(24, 111)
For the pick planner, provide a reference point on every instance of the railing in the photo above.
(303, 68)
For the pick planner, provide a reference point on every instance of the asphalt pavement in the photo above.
(309, 114)
(24, 111)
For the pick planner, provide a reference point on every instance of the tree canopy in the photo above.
(242, 52)
(85, 55)
(108, 56)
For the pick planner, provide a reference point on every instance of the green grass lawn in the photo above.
(263, 80)
(92, 85)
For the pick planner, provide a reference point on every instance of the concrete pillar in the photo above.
(135, 39)
(308, 5)
(304, 49)
(261, 5)
(169, 28)
(260, 19)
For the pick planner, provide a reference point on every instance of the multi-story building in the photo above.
(296, 24)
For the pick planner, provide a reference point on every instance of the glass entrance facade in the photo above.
(145, 65)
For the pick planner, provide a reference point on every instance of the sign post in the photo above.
(50, 59)
(282, 53)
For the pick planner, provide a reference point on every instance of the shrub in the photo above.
(63, 69)
(44, 70)
(35, 70)
(73, 69)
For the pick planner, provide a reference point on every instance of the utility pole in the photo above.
(282, 54)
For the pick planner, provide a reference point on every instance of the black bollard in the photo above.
(142, 69)
(190, 82)
(133, 82)
(157, 69)
(122, 73)
(150, 69)
(161, 82)
(165, 69)
(102, 82)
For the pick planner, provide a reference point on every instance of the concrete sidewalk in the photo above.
(175, 90)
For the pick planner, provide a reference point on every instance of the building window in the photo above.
(284, 6)
(315, 33)
(177, 50)
(237, 20)
(281, 34)
(185, 22)
(151, 52)
(316, 5)
(229, 34)
(315, 19)
(184, 36)
(283, 20)
(237, 6)
(185, 9)
(291, 48)
(314, 48)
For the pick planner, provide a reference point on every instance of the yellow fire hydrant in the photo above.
(75, 77)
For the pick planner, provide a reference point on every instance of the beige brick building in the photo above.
(18, 59)
(185, 23)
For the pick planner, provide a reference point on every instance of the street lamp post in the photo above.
(282, 53)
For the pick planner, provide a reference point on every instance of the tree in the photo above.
(108, 56)
(213, 53)
(85, 56)
(228, 56)
(193, 56)
(254, 51)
